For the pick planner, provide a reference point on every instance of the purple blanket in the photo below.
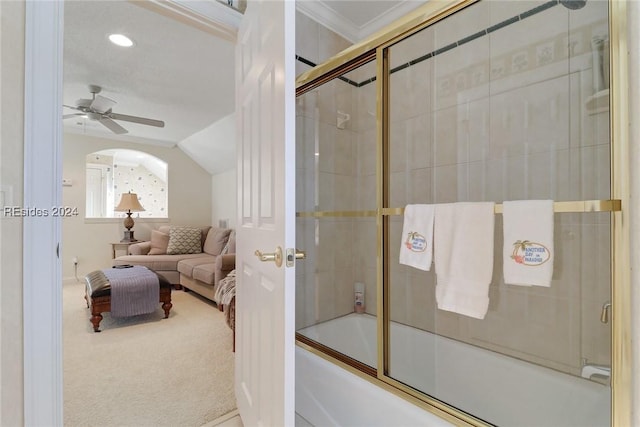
(134, 290)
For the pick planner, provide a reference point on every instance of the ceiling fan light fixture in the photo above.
(120, 40)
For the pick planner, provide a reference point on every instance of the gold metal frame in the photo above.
(431, 12)
(574, 206)
(621, 392)
(375, 48)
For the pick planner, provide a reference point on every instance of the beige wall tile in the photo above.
(420, 186)
(307, 37)
(367, 149)
(445, 138)
(329, 44)
(420, 145)
(495, 119)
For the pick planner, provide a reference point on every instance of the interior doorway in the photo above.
(43, 395)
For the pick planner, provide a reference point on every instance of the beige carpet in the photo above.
(147, 370)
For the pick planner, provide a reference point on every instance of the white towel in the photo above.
(416, 248)
(463, 248)
(528, 242)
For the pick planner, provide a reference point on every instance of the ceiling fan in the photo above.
(99, 108)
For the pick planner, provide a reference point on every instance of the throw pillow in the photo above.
(216, 240)
(184, 240)
(159, 243)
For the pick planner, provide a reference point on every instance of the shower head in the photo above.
(573, 4)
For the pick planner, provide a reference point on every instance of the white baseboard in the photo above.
(226, 417)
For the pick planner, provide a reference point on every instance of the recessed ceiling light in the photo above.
(121, 40)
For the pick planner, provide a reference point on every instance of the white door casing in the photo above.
(41, 266)
(265, 293)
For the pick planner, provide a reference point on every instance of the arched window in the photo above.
(110, 173)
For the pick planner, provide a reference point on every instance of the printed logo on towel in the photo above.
(531, 254)
(416, 242)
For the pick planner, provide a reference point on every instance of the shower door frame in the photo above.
(375, 48)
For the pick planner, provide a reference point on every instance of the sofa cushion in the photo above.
(141, 248)
(155, 262)
(216, 239)
(159, 242)
(186, 265)
(184, 240)
(230, 247)
(205, 273)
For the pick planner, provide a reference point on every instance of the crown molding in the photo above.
(396, 12)
(212, 17)
(321, 12)
(324, 15)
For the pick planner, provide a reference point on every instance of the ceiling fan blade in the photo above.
(72, 107)
(113, 126)
(83, 103)
(68, 116)
(102, 104)
(135, 119)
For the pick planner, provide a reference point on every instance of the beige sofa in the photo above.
(199, 272)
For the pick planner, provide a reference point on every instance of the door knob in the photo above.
(274, 256)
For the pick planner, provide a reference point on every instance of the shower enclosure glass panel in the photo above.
(336, 200)
(506, 100)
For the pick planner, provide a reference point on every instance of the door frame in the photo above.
(42, 287)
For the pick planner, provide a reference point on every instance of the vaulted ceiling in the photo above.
(175, 72)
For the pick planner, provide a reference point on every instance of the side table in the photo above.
(121, 246)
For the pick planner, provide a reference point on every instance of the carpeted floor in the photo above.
(147, 370)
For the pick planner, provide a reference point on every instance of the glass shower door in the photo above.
(336, 200)
(506, 101)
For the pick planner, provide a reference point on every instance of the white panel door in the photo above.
(265, 298)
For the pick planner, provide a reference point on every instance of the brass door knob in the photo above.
(274, 256)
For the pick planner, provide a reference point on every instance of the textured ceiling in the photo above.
(174, 72)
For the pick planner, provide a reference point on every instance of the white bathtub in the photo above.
(497, 388)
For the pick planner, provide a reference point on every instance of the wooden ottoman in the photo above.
(98, 296)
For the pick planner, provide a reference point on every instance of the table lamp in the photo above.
(129, 203)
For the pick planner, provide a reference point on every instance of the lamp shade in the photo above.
(129, 203)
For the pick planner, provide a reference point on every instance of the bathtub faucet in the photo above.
(589, 370)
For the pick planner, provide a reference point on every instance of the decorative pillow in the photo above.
(159, 243)
(216, 239)
(184, 240)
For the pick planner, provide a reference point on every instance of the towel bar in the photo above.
(575, 206)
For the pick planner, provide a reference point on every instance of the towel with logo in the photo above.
(416, 248)
(528, 242)
(463, 252)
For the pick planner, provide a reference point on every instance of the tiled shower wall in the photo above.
(325, 181)
(506, 117)
(336, 172)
